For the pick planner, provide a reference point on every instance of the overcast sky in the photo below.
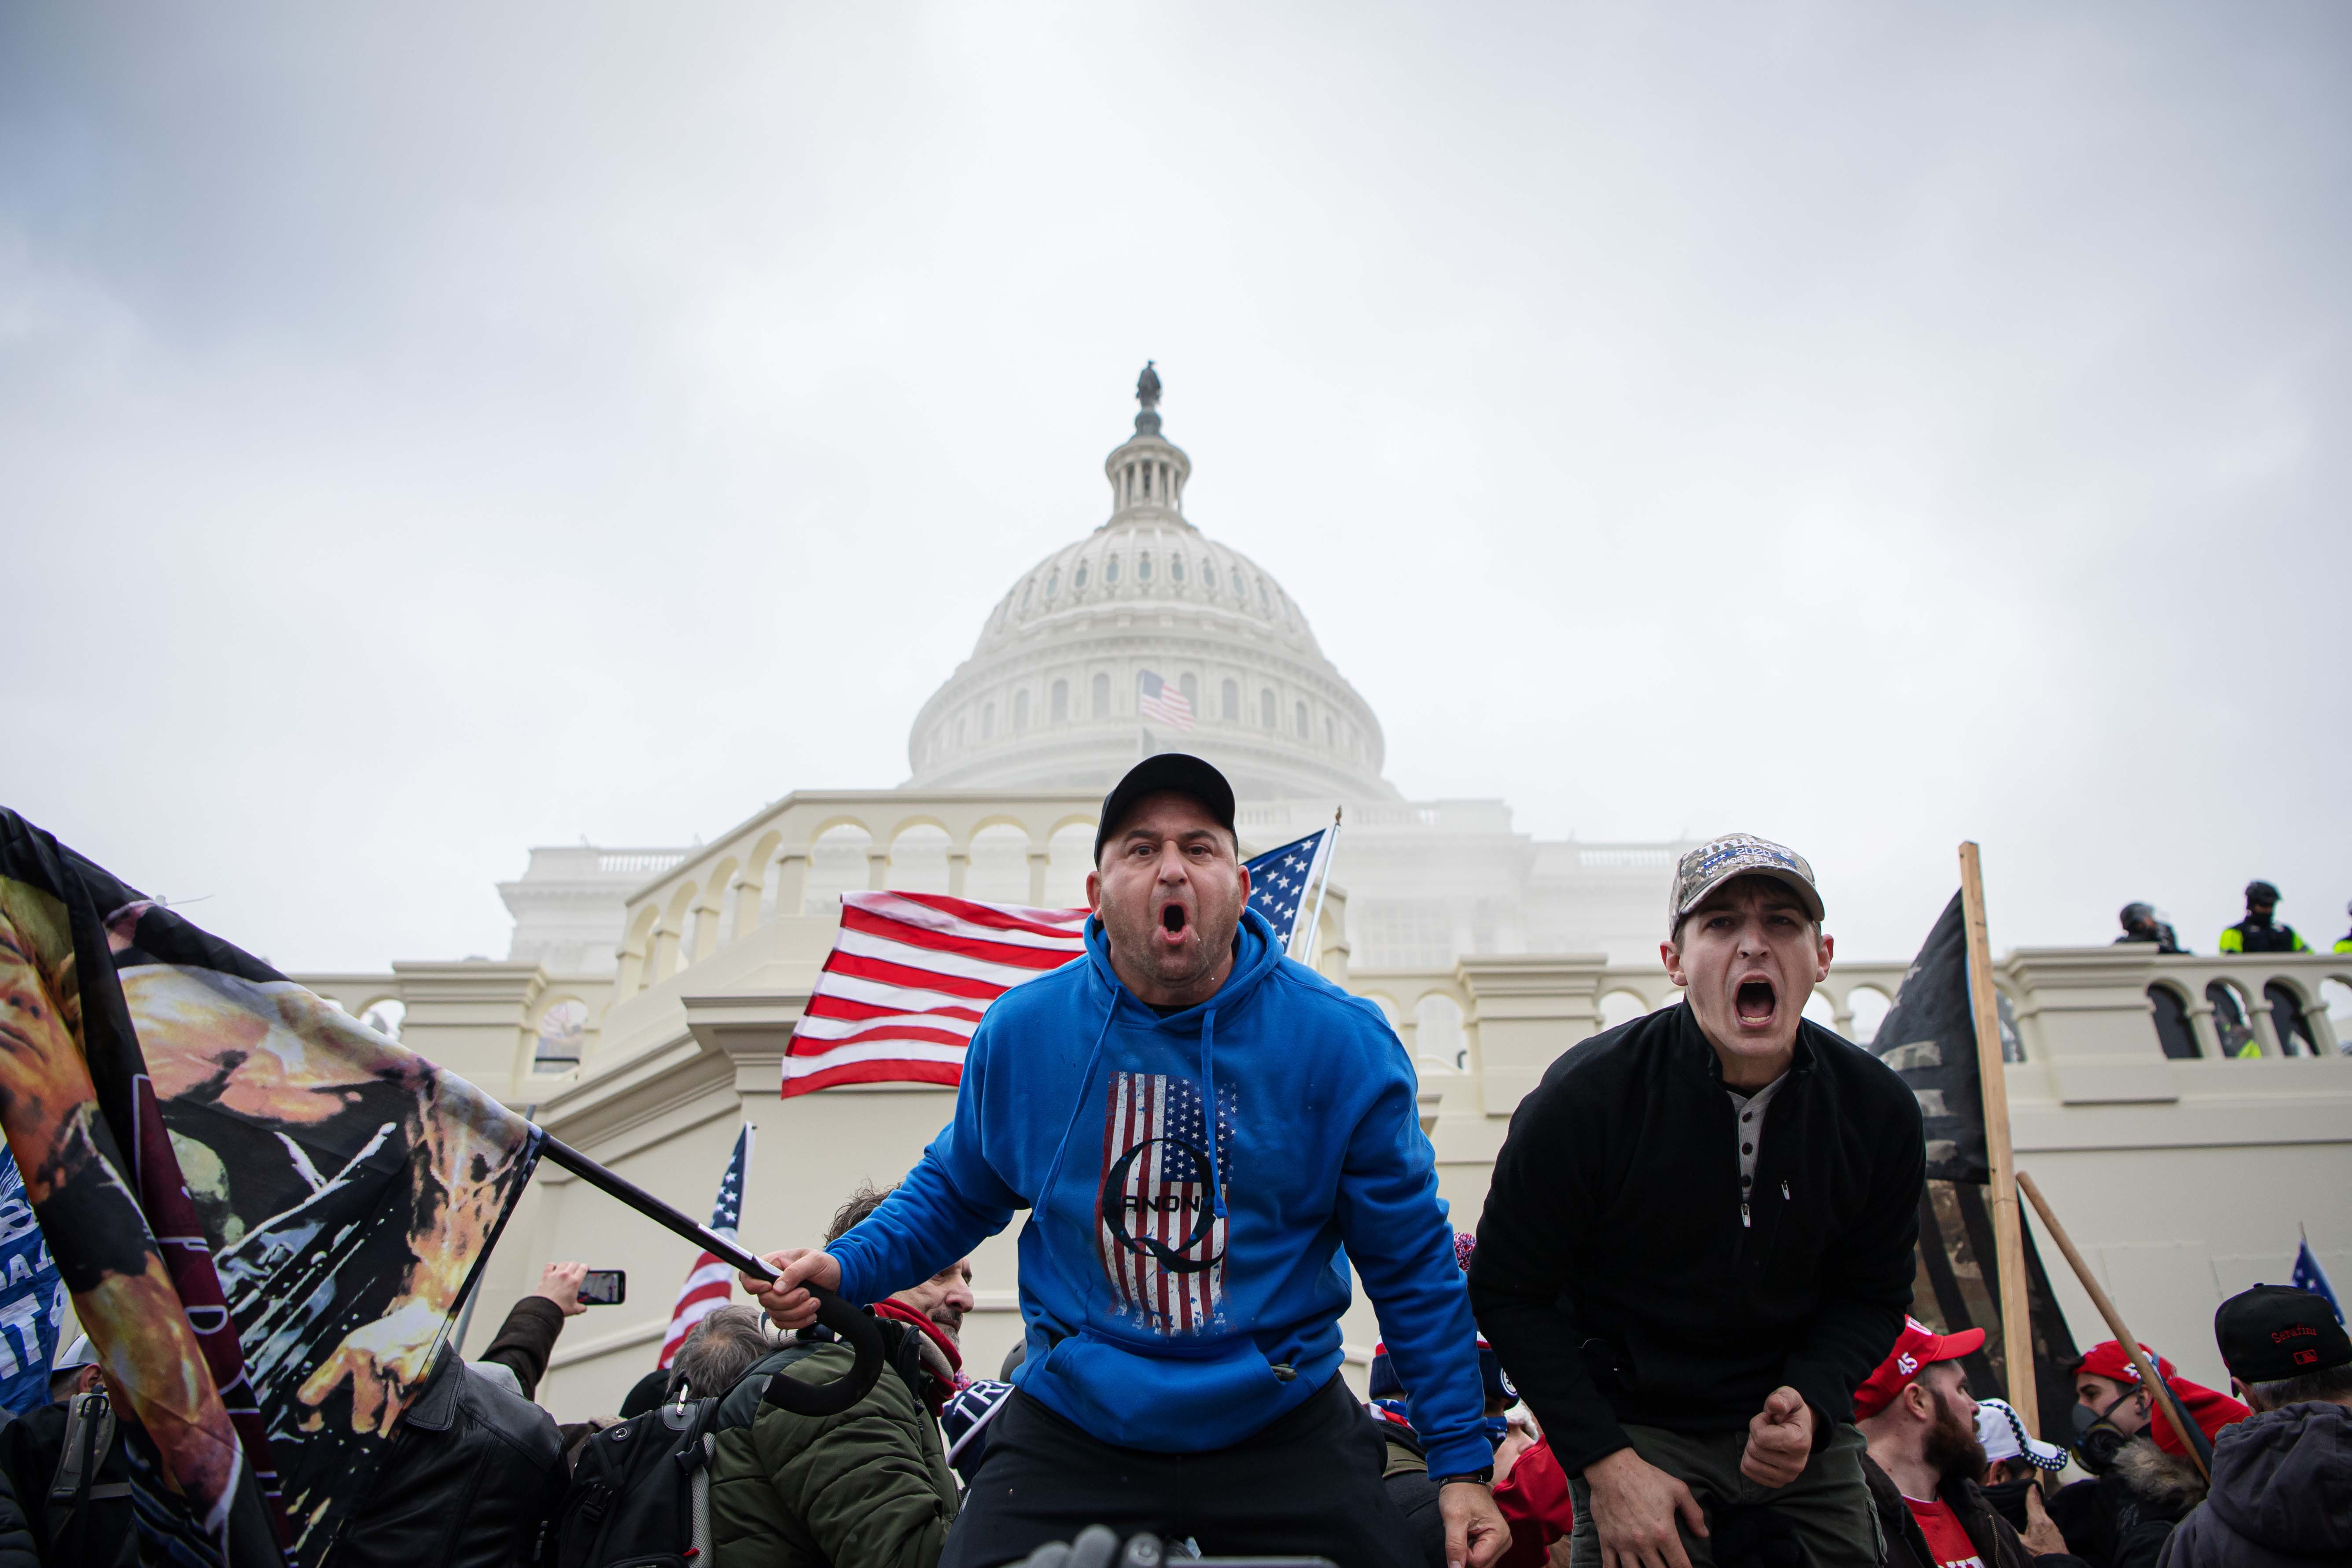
(430, 431)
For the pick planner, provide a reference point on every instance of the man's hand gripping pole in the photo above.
(854, 1327)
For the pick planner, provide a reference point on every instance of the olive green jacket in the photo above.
(867, 1489)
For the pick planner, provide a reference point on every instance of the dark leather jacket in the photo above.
(474, 1475)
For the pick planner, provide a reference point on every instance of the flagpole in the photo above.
(2192, 1437)
(2008, 1234)
(1315, 922)
(853, 1325)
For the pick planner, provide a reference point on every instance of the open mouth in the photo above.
(1172, 918)
(1755, 1002)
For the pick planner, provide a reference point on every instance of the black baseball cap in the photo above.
(1170, 773)
(2276, 1331)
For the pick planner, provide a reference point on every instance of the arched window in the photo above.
(1191, 685)
(1331, 733)
(1176, 567)
(1240, 586)
(1209, 573)
(988, 721)
(2229, 1019)
(1024, 592)
(1061, 700)
(1145, 469)
(1079, 581)
(2172, 1028)
(1143, 567)
(1102, 696)
(958, 732)
(386, 1016)
(1300, 721)
(1020, 710)
(1052, 582)
(1229, 702)
(1265, 707)
(1263, 603)
(1111, 569)
(2293, 1028)
(562, 1028)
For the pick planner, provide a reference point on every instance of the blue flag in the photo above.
(32, 1297)
(2309, 1276)
(1284, 885)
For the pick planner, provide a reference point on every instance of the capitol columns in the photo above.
(1525, 1010)
(791, 882)
(1038, 859)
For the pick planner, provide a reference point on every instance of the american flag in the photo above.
(1159, 699)
(1154, 1215)
(907, 979)
(1283, 883)
(2309, 1276)
(709, 1281)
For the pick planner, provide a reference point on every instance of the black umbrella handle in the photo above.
(856, 1328)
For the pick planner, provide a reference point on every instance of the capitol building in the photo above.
(643, 1007)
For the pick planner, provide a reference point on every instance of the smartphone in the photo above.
(604, 1287)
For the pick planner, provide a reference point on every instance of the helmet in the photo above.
(2261, 893)
(2134, 913)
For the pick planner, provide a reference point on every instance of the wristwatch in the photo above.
(1485, 1478)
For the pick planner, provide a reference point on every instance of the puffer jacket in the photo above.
(2122, 1519)
(2281, 1494)
(868, 1488)
(474, 1475)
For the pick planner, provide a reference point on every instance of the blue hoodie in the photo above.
(1180, 1290)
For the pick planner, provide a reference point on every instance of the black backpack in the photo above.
(640, 1493)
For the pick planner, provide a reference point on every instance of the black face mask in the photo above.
(2008, 1498)
(2097, 1440)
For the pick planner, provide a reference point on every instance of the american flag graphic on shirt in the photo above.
(1155, 1224)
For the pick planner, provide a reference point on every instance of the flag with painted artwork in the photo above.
(711, 1278)
(32, 1297)
(265, 1211)
(2309, 1276)
(1286, 886)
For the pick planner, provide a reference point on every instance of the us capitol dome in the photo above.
(1056, 692)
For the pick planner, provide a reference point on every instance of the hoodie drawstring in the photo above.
(1209, 1108)
(1086, 1082)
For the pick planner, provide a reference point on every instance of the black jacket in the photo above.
(1996, 1540)
(1621, 1277)
(2281, 1494)
(474, 1475)
(526, 1340)
(2122, 1519)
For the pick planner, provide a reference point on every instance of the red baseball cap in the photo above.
(1915, 1349)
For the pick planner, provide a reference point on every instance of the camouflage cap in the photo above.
(1718, 860)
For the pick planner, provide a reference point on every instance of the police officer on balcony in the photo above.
(2258, 933)
(2140, 924)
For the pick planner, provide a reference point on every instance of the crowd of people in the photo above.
(1679, 1338)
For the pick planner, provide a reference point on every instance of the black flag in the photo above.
(1929, 1039)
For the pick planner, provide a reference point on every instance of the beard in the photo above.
(1952, 1448)
(948, 1320)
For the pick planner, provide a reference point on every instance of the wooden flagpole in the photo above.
(2192, 1435)
(2008, 1235)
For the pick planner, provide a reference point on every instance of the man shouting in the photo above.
(1699, 1239)
(1197, 1125)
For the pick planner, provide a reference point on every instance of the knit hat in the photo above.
(2002, 1431)
(2211, 1411)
